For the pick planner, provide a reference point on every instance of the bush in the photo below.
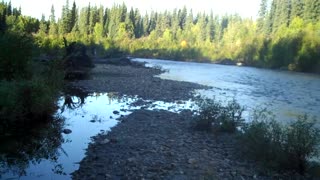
(34, 99)
(213, 116)
(282, 147)
(15, 55)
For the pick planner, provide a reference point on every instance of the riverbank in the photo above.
(135, 79)
(158, 144)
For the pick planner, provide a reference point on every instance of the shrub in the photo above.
(34, 99)
(15, 55)
(212, 115)
(279, 146)
(302, 142)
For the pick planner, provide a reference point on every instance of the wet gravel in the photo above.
(136, 80)
(162, 145)
(159, 144)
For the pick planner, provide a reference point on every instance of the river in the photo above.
(286, 94)
(48, 153)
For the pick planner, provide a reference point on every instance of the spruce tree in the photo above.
(53, 29)
(43, 27)
(297, 8)
(262, 15)
(74, 16)
(312, 11)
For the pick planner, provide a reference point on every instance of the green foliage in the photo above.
(34, 99)
(28, 88)
(283, 147)
(280, 38)
(15, 55)
(213, 115)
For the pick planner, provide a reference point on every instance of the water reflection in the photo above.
(29, 145)
(73, 98)
(43, 151)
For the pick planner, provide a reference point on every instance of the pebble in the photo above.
(105, 141)
(132, 159)
(192, 161)
(67, 131)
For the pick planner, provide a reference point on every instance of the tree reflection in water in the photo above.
(22, 146)
(73, 99)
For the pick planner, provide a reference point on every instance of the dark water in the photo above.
(45, 152)
(286, 94)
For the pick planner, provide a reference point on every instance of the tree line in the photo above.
(285, 34)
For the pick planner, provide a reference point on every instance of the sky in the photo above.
(245, 8)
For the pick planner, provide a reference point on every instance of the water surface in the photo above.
(48, 153)
(285, 93)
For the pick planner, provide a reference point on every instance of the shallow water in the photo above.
(286, 94)
(85, 117)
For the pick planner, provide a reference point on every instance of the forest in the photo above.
(285, 34)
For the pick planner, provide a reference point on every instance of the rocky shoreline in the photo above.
(135, 79)
(158, 144)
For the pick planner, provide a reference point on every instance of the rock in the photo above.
(131, 160)
(192, 161)
(255, 176)
(116, 112)
(226, 61)
(105, 141)
(120, 61)
(67, 131)
(113, 140)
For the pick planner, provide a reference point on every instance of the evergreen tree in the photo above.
(210, 29)
(93, 18)
(145, 25)
(43, 27)
(52, 17)
(106, 19)
(297, 7)
(262, 15)
(281, 14)
(53, 29)
(84, 20)
(182, 14)
(312, 11)
(74, 16)
(9, 9)
(2, 17)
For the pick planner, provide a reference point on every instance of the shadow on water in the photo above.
(29, 145)
(47, 151)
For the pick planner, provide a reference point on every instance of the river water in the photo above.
(286, 94)
(45, 152)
